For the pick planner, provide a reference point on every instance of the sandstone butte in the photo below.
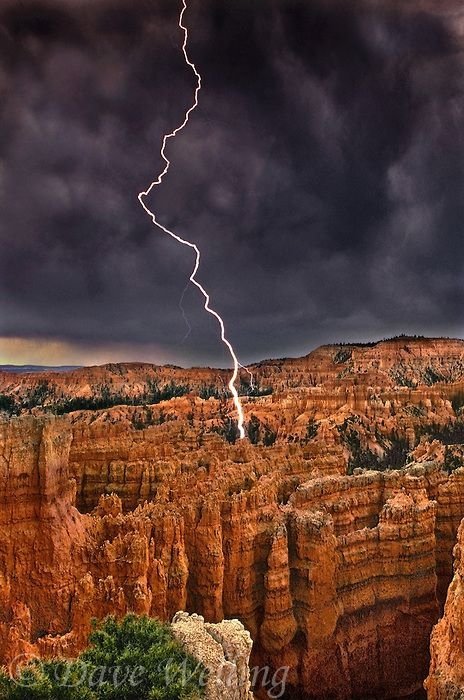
(337, 564)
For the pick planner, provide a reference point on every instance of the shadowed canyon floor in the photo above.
(329, 531)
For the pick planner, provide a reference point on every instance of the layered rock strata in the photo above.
(334, 577)
(446, 677)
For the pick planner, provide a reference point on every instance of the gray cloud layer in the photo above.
(322, 174)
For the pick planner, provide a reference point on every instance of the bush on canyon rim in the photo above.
(135, 658)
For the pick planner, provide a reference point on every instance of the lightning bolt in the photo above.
(189, 244)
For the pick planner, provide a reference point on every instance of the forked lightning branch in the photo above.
(189, 244)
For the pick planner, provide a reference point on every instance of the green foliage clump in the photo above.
(8, 405)
(209, 391)
(228, 429)
(254, 430)
(396, 454)
(258, 432)
(453, 461)
(359, 458)
(395, 449)
(39, 395)
(248, 389)
(106, 398)
(342, 355)
(134, 659)
(450, 434)
(415, 411)
(457, 402)
(269, 437)
(399, 375)
(47, 680)
(311, 429)
(431, 376)
(147, 418)
(156, 394)
(373, 343)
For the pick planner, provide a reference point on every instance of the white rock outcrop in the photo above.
(223, 648)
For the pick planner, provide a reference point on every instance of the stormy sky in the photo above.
(322, 176)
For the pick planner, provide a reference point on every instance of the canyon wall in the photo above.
(446, 677)
(334, 576)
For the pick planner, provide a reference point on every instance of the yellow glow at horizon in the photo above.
(40, 351)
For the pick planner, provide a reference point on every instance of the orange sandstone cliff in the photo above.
(446, 677)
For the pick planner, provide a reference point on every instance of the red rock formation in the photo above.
(344, 570)
(333, 575)
(446, 677)
(40, 530)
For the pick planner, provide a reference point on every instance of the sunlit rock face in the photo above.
(446, 677)
(224, 648)
(339, 576)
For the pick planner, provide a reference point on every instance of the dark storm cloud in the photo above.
(322, 174)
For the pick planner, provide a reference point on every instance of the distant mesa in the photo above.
(30, 369)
